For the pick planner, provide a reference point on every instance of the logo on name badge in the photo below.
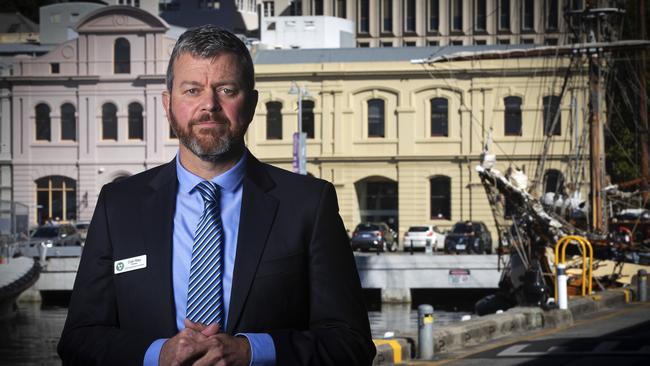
(130, 264)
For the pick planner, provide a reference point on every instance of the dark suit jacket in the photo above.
(294, 274)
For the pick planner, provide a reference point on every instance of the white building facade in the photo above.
(89, 112)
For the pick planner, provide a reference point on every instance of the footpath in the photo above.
(513, 322)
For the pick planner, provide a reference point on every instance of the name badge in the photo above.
(130, 264)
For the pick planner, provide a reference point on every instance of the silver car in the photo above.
(419, 237)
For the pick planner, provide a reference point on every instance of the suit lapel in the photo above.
(257, 215)
(159, 208)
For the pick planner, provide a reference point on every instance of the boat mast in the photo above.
(643, 112)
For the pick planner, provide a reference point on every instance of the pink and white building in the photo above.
(88, 112)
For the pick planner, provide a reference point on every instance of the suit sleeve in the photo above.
(92, 334)
(339, 332)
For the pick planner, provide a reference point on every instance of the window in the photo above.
(552, 14)
(268, 8)
(480, 42)
(456, 15)
(503, 41)
(434, 15)
(527, 40)
(457, 42)
(439, 117)
(68, 122)
(504, 15)
(295, 8)
(340, 9)
(551, 110)
(364, 16)
(512, 116)
(386, 16)
(481, 15)
(363, 44)
(440, 198)
(528, 15)
(409, 15)
(109, 122)
(387, 44)
(550, 41)
(136, 122)
(122, 56)
(553, 181)
(43, 123)
(274, 121)
(308, 118)
(432, 43)
(409, 43)
(376, 118)
(317, 7)
(55, 68)
(56, 198)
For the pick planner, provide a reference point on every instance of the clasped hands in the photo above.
(200, 344)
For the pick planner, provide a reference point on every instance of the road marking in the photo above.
(628, 309)
(606, 346)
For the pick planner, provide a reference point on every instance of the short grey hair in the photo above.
(208, 41)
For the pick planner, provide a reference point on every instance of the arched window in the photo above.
(440, 197)
(56, 198)
(136, 122)
(68, 122)
(553, 181)
(376, 118)
(439, 117)
(274, 121)
(512, 117)
(308, 118)
(109, 121)
(43, 123)
(551, 109)
(122, 56)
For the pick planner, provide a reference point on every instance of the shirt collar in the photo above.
(230, 180)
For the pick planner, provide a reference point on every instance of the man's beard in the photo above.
(213, 147)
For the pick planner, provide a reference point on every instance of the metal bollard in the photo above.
(42, 253)
(562, 299)
(425, 331)
(642, 284)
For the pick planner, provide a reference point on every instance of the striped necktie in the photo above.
(205, 291)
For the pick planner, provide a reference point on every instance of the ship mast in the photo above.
(643, 112)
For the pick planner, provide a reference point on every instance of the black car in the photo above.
(469, 237)
(376, 236)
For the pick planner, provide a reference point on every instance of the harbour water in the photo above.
(30, 338)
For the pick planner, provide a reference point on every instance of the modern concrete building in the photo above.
(238, 16)
(398, 23)
(306, 32)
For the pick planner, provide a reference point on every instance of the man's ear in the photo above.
(166, 100)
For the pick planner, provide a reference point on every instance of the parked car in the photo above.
(418, 237)
(469, 237)
(375, 236)
(82, 228)
(56, 235)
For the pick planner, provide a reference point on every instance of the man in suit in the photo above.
(284, 288)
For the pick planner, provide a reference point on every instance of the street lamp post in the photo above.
(299, 137)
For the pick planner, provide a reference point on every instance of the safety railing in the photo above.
(587, 266)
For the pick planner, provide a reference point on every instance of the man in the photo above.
(283, 288)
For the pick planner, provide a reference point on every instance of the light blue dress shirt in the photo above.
(189, 207)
